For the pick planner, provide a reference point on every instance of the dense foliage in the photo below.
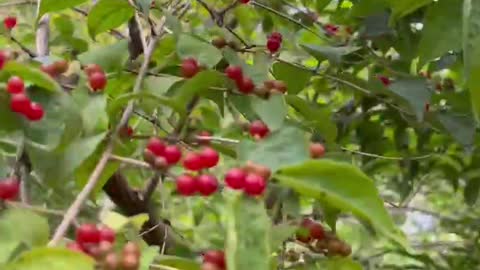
(237, 134)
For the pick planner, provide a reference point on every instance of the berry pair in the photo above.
(96, 77)
(160, 155)
(89, 237)
(10, 22)
(21, 103)
(310, 230)
(9, 189)
(251, 183)
(244, 84)
(55, 68)
(188, 185)
(274, 42)
(205, 159)
(214, 260)
(189, 68)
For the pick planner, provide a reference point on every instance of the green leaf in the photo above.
(144, 6)
(258, 71)
(339, 264)
(280, 233)
(55, 166)
(472, 190)
(32, 75)
(110, 58)
(471, 51)
(414, 92)
(247, 247)
(205, 53)
(64, 25)
(272, 111)
(318, 118)
(287, 146)
(20, 225)
(108, 14)
(461, 127)
(178, 262)
(7, 249)
(333, 54)
(118, 103)
(55, 5)
(345, 187)
(148, 256)
(199, 84)
(405, 7)
(296, 78)
(52, 259)
(440, 33)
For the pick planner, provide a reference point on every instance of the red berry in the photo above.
(246, 85)
(276, 35)
(254, 185)
(107, 234)
(97, 81)
(316, 231)
(209, 157)
(193, 162)
(88, 234)
(186, 185)
(172, 154)
(19, 103)
(235, 73)
(3, 59)
(204, 141)
(190, 67)
(10, 22)
(207, 184)
(35, 112)
(385, 80)
(74, 246)
(244, 1)
(235, 178)
(60, 66)
(9, 189)
(156, 146)
(92, 68)
(317, 150)
(216, 257)
(331, 29)
(273, 45)
(15, 85)
(258, 128)
(49, 69)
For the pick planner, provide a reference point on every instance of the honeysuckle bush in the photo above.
(321, 134)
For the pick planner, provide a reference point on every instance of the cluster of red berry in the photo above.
(274, 42)
(160, 155)
(252, 179)
(96, 77)
(244, 83)
(214, 260)
(97, 242)
(321, 241)
(56, 68)
(20, 102)
(10, 22)
(9, 188)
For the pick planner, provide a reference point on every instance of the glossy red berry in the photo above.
(35, 112)
(209, 157)
(19, 103)
(193, 162)
(9, 189)
(216, 257)
(107, 234)
(317, 150)
(172, 154)
(235, 178)
(3, 59)
(156, 146)
(190, 67)
(244, 1)
(10, 22)
(97, 81)
(74, 246)
(92, 68)
(15, 85)
(186, 185)
(316, 231)
(276, 35)
(385, 80)
(207, 184)
(254, 185)
(273, 45)
(246, 85)
(258, 128)
(235, 73)
(88, 234)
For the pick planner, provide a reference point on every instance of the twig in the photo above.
(151, 187)
(238, 37)
(17, 3)
(43, 34)
(38, 209)
(385, 157)
(25, 49)
(228, 8)
(130, 161)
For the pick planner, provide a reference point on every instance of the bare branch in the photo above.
(25, 49)
(43, 35)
